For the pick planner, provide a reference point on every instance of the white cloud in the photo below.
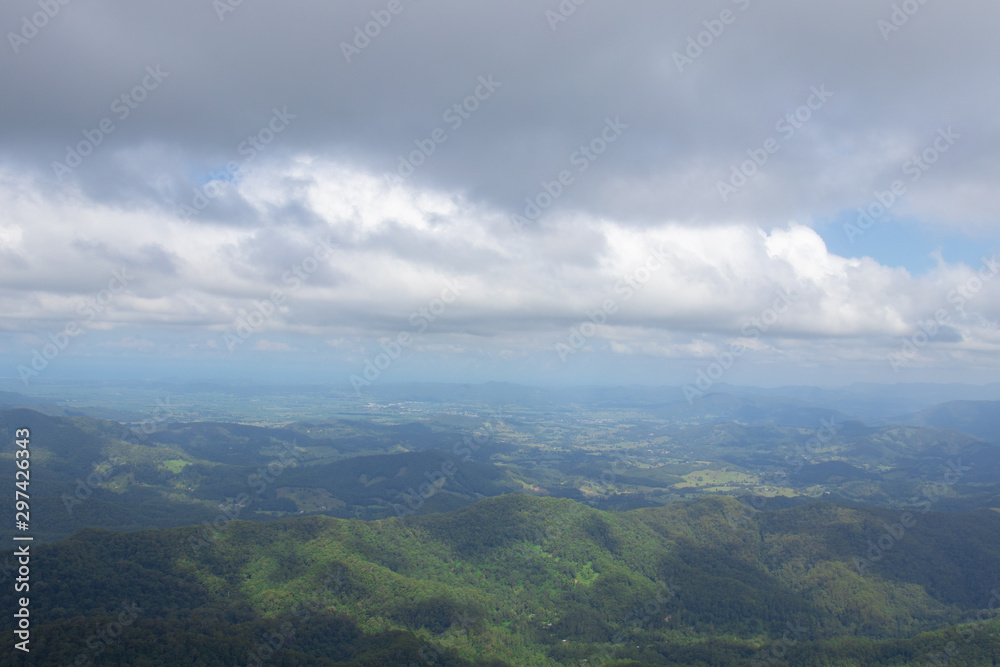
(713, 281)
(393, 247)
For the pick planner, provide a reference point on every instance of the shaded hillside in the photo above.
(94, 473)
(531, 581)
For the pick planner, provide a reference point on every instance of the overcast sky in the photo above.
(609, 192)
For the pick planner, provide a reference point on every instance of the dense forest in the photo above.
(535, 535)
(520, 580)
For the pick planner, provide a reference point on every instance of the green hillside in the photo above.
(533, 581)
(95, 473)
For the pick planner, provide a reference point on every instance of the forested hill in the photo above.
(89, 472)
(520, 580)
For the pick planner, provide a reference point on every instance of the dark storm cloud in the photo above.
(223, 78)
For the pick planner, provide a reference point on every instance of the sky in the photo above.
(742, 191)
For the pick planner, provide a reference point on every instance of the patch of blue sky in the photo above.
(902, 242)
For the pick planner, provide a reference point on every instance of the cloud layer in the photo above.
(664, 173)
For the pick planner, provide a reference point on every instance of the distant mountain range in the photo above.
(980, 418)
